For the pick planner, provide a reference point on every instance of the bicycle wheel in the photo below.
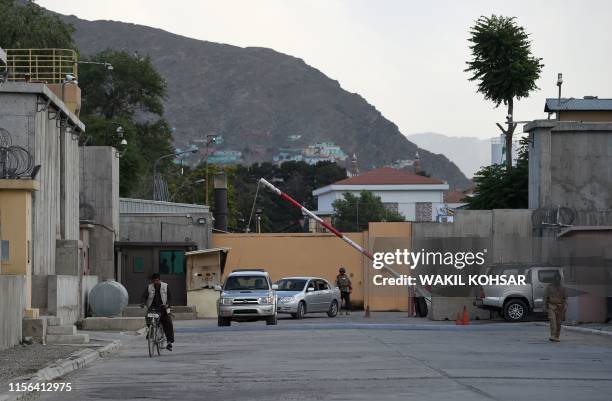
(151, 339)
(159, 342)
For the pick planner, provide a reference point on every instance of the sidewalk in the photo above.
(39, 363)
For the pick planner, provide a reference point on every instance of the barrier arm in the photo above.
(327, 226)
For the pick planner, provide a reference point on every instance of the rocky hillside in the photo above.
(257, 98)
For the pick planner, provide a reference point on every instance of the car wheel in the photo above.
(515, 310)
(333, 309)
(301, 310)
(272, 320)
(223, 321)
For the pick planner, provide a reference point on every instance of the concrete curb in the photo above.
(584, 330)
(62, 367)
(588, 331)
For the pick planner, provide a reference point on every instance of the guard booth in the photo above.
(137, 261)
(205, 269)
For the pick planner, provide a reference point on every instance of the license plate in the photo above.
(153, 315)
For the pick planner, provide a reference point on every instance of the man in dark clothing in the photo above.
(555, 303)
(343, 282)
(157, 296)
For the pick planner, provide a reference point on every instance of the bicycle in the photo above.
(156, 338)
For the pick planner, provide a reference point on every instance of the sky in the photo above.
(404, 57)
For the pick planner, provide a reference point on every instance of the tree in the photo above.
(504, 67)
(353, 213)
(298, 179)
(28, 26)
(500, 188)
(130, 96)
(134, 85)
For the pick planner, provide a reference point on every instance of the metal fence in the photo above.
(41, 65)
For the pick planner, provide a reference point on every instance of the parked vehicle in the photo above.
(247, 295)
(516, 302)
(301, 295)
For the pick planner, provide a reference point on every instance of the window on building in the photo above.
(4, 251)
(138, 264)
(172, 262)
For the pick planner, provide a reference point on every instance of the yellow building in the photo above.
(16, 230)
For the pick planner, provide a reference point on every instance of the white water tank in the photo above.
(108, 299)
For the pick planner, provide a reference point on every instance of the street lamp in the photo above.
(156, 194)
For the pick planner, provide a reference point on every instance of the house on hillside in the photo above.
(415, 196)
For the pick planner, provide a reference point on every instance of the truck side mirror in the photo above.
(275, 286)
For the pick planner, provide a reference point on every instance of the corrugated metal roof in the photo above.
(571, 104)
(144, 206)
(205, 251)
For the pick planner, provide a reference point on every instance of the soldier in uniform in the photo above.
(555, 302)
(343, 282)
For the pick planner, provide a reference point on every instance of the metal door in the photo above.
(311, 297)
(171, 267)
(325, 296)
(137, 268)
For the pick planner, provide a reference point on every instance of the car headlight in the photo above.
(266, 300)
(227, 301)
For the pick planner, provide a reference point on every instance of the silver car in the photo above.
(516, 302)
(301, 295)
(247, 295)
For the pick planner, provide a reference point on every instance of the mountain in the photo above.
(256, 98)
(468, 153)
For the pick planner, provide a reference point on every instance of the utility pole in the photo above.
(208, 139)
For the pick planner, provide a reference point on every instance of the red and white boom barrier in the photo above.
(328, 226)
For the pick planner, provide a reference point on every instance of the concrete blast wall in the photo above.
(505, 234)
(12, 290)
(38, 121)
(99, 204)
(63, 297)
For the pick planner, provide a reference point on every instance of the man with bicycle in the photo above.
(157, 297)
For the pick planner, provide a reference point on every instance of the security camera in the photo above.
(70, 78)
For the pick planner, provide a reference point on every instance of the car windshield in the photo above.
(239, 283)
(289, 284)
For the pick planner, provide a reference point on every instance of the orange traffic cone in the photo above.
(466, 318)
(367, 311)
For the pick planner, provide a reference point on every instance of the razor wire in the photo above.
(15, 161)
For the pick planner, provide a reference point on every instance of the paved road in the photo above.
(336, 359)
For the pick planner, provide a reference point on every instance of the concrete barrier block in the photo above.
(67, 338)
(54, 321)
(113, 323)
(34, 327)
(447, 308)
(67, 329)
